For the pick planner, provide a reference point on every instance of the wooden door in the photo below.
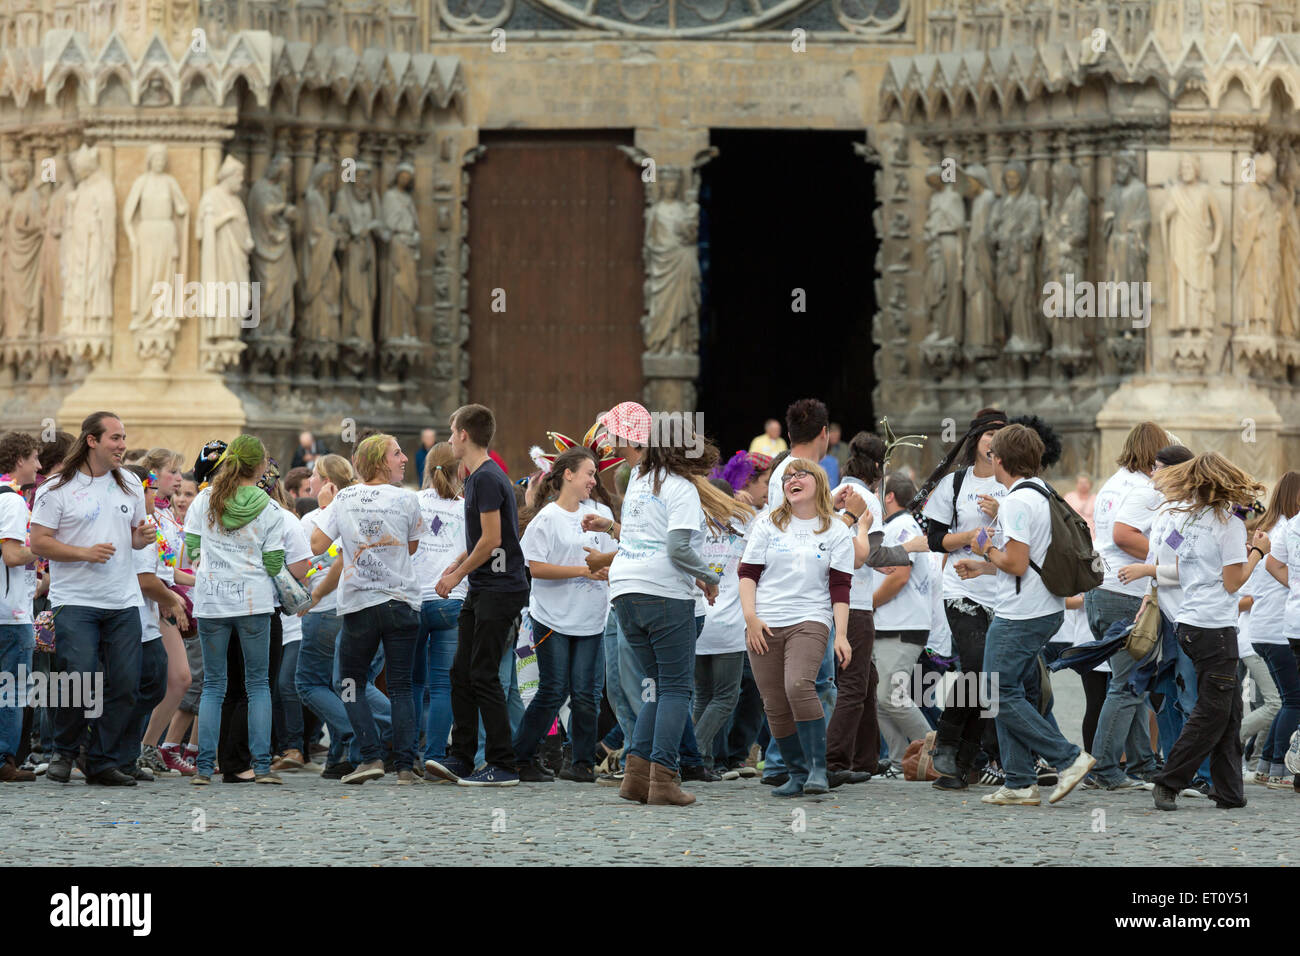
(555, 234)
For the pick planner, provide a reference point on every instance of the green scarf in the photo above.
(246, 504)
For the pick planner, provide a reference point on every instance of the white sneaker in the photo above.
(1007, 797)
(1132, 783)
(1072, 774)
(731, 775)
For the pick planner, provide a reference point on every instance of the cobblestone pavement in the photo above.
(310, 821)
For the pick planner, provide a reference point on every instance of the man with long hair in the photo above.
(86, 521)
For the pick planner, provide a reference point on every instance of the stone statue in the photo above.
(1286, 194)
(159, 245)
(319, 276)
(1126, 222)
(984, 334)
(944, 225)
(1065, 253)
(401, 292)
(355, 205)
(23, 231)
(225, 243)
(89, 255)
(51, 246)
(6, 201)
(271, 218)
(1017, 227)
(1192, 227)
(1256, 240)
(672, 284)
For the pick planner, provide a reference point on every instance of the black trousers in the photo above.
(962, 722)
(1215, 721)
(486, 618)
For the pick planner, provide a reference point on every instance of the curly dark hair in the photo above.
(805, 419)
(14, 447)
(53, 452)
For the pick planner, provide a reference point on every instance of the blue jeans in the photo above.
(636, 687)
(566, 666)
(153, 688)
(1011, 650)
(434, 652)
(381, 707)
(94, 640)
(661, 633)
(826, 691)
(395, 625)
(1282, 668)
(290, 703)
(17, 642)
(314, 680)
(254, 633)
(614, 689)
(1122, 727)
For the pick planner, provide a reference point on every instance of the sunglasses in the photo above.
(790, 476)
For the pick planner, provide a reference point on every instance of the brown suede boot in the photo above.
(665, 788)
(636, 779)
(9, 773)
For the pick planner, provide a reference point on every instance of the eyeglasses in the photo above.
(790, 476)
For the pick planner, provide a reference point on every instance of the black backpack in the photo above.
(1072, 565)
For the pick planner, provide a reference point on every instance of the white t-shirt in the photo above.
(724, 619)
(309, 522)
(146, 561)
(577, 607)
(84, 512)
(442, 541)
(16, 602)
(642, 565)
(795, 583)
(375, 523)
(1074, 628)
(1205, 545)
(775, 491)
(1025, 516)
(1245, 647)
(1268, 611)
(909, 609)
(231, 580)
(864, 578)
(1286, 548)
(940, 632)
(1109, 500)
(296, 548)
(983, 589)
(1168, 596)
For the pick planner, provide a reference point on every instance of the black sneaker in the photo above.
(698, 773)
(1165, 797)
(59, 770)
(775, 780)
(950, 783)
(534, 772)
(578, 773)
(142, 774)
(1047, 776)
(337, 771)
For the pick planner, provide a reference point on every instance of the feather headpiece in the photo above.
(596, 440)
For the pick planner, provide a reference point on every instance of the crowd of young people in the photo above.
(717, 619)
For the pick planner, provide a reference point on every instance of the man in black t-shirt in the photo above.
(498, 591)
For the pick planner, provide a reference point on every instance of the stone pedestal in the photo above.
(669, 382)
(1236, 419)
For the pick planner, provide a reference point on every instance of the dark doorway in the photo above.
(780, 211)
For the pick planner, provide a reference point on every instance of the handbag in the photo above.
(291, 594)
(1144, 637)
